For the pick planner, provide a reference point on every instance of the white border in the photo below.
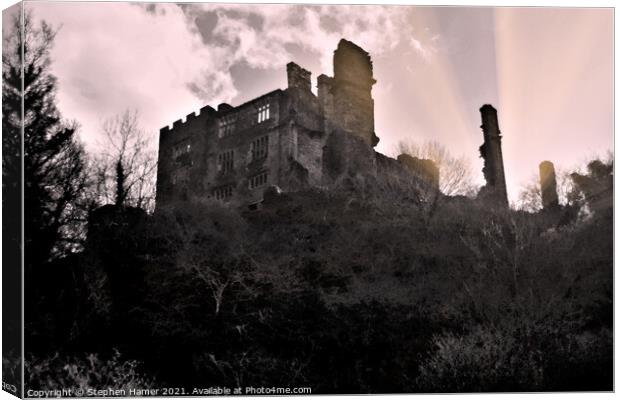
(488, 3)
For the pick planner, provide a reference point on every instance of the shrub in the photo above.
(84, 372)
(519, 359)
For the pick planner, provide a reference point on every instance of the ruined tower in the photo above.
(351, 90)
(548, 186)
(491, 152)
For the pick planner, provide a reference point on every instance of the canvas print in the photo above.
(295, 199)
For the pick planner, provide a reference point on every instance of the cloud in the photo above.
(261, 36)
(549, 71)
(112, 56)
(167, 60)
(425, 51)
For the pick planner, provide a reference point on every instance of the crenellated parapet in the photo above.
(206, 111)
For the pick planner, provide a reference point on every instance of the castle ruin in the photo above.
(288, 138)
(293, 139)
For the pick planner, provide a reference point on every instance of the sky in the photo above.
(548, 71)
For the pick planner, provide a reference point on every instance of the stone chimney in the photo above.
(298, 77)
(491, 152)
(548, 186)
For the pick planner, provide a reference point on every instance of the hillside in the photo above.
(351, 290)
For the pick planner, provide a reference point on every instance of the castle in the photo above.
(294, 139)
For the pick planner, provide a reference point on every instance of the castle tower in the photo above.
(491, 152)
(548, 186)
(351, 89)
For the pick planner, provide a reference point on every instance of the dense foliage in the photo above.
(353, 292)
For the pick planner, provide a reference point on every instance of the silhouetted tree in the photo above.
(11, 220)
(530, 197)
(596, 186)
(54, 183)
(126, 170)
(54, 161)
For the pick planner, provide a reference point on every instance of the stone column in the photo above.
(548, 185)
(491, 152)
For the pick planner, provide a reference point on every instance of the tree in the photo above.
(530, 197)
(54, 161)
(54, 183)
(595, 188)
(455, 173)
(126, 170)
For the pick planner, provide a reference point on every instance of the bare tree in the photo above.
(455, 173)
(530, 196)
(125, 172)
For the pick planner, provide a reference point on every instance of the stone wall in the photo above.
(177, 162)
(423, 169)
(345, 155)
(295, 132)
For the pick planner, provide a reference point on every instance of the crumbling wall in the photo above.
(417, 179)
(326, 101)
(423, 169)
(306, 134)
(351, 89)
(310, 149)
(298, 77)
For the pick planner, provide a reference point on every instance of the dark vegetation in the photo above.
(347, 292)
(372, 287)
